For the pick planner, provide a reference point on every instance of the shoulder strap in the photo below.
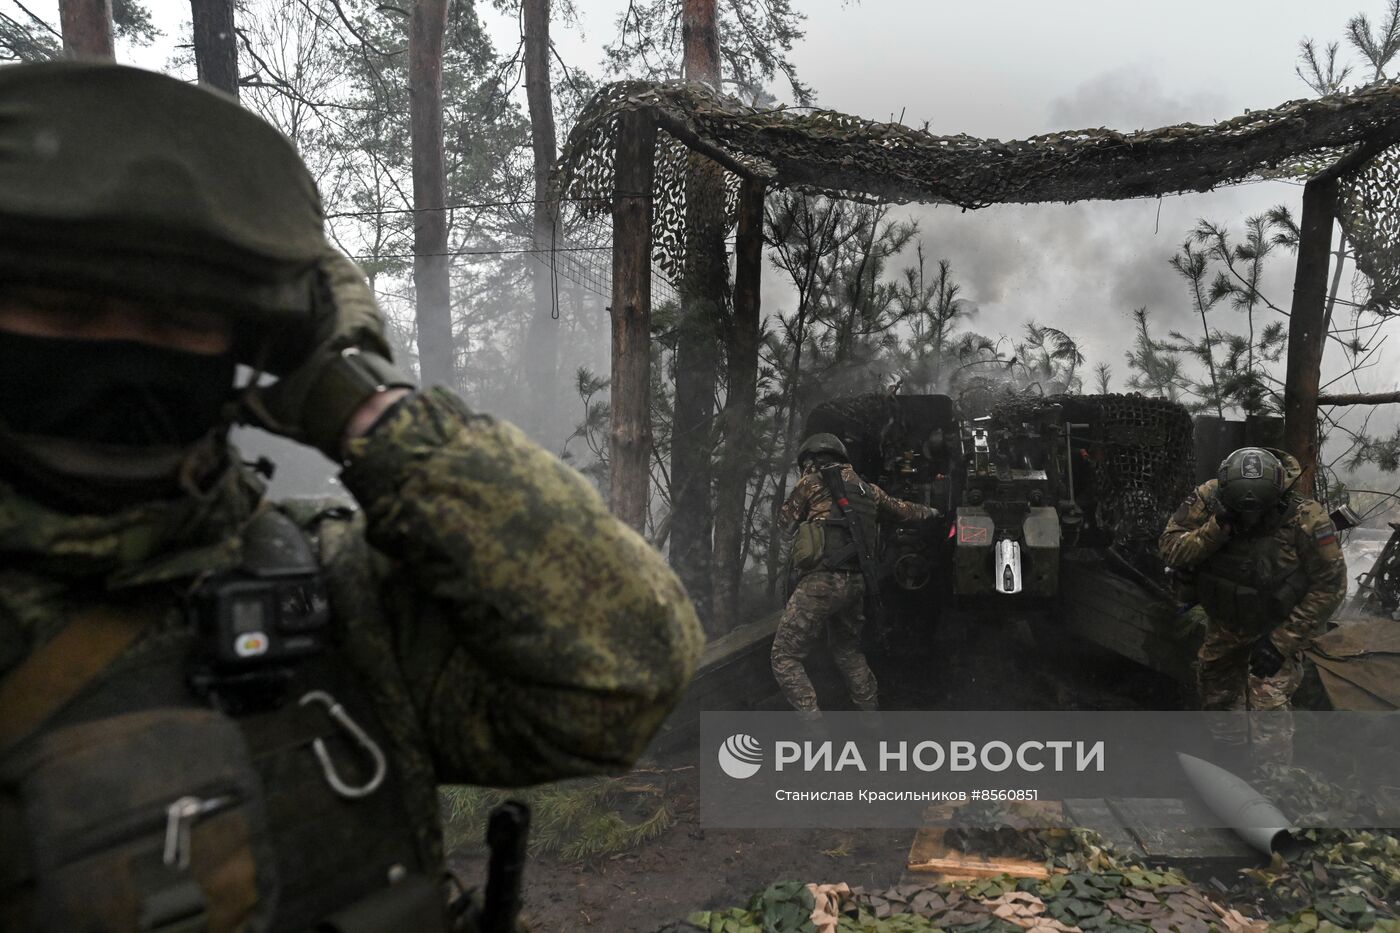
(58, 670)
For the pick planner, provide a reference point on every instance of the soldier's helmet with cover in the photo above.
(819, 445)
(127, 183)
(1251, 482)
(123, 187)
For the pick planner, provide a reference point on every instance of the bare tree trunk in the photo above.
(431, 270)
(630, 445)
(731, 486)
(1307, 326)
(215, 44)
(704, 295)
(542, 337)
(87, 28)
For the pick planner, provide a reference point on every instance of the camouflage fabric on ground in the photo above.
(1344, 880)
(1132, 901)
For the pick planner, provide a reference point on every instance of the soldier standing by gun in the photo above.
(834, 512)
(1264, 563)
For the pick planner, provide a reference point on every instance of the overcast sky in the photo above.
(1016, 68)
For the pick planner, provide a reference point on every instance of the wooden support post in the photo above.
(705, 298)
(87, 28)
(1307, 326)
(736, 457)
(630, 446)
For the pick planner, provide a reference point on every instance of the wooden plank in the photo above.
(967, 868)
(930, 853)
(723, 649)
(1102, 607)
(1146, 830)
(1175, 831)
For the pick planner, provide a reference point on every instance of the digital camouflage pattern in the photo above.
(810, 501)
(830, 603)
(508, 629)
(1304, 542)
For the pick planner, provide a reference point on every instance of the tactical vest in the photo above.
(135, 804)
(831, 535)
(1245, 586)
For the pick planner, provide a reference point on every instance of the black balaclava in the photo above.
(97, 425)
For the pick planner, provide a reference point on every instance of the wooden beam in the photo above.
(87, 28)
(697, 143)
(630, 446)
(1360, 398)
(1307, 325)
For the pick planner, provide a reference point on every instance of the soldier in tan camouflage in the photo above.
(1265, 565)
(830, 595)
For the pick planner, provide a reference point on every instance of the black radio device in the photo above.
(253, 623)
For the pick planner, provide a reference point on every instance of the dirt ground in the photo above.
(689, 868)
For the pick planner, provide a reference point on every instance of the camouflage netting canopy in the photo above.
(841, 155)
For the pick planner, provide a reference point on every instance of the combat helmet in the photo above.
(1251, 481)
(818, 444)
(127, 183)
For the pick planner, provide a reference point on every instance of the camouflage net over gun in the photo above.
(837, 154)
(1149, 464)
(1143, 456)
(1369, 211)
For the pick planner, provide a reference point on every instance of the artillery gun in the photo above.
(1052, 506)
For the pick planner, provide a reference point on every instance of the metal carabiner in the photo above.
(342, 718)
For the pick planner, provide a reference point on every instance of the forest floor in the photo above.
(687, 867)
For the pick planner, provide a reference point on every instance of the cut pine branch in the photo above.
(1360, 398)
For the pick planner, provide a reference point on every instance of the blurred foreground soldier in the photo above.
(219, 713)
(1264, 563)
(834, 513)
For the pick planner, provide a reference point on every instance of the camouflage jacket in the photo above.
(810, 501)
(1306, 540)
(508, 628)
